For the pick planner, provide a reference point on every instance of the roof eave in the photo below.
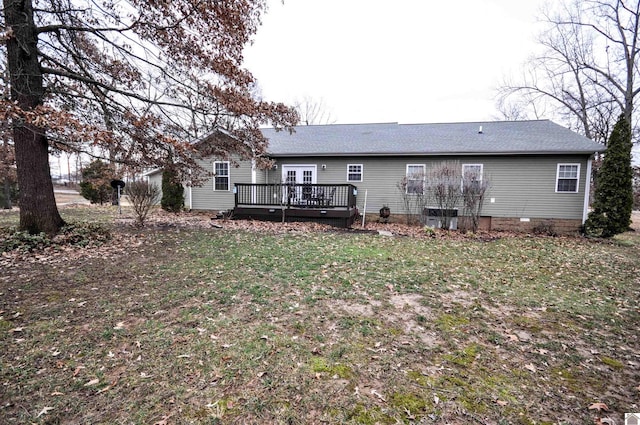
(152, 172)
(479, 153)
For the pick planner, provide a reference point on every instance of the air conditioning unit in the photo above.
(436, 217)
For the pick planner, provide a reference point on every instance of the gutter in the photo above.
(587, 191)
(151, 172)
(382, 154)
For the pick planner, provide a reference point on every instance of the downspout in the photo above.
(254, 175)
(189, 193)
(254, 180)
(587, 191)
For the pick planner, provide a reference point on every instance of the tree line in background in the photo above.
(587, 74)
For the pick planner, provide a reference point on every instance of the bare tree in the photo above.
(588, 68)
(519, 108)
(7, 159)
(312, 111)
(636, 188)
(127, 78)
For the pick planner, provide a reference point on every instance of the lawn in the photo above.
(185, 323)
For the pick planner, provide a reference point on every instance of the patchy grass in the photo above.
(196, 325)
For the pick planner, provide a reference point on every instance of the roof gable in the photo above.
(472, 138)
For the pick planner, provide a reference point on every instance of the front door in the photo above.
(300, 175)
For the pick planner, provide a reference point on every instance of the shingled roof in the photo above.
(469, 138)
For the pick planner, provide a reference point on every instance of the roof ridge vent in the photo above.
(480, 130)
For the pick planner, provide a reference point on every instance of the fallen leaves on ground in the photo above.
(599, 407)
(44, 411)
(170, 317)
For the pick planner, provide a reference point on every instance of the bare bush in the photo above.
(142, 196)
(545, 228)
(474, 188)
(444, 190)
(411, 189)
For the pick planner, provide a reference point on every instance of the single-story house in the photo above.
(537, 172)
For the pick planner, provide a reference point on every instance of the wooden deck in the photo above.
(333, 204)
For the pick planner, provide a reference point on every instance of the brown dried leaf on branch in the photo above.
(142, 108)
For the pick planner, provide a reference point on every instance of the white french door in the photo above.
(298, 174)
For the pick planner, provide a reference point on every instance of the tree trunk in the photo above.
(38, 210)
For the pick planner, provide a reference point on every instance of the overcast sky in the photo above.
(410, 61)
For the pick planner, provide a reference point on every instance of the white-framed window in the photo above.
(354, 172)
(221, 175)
(307, 176)
(472, 174)
(415, 178)
(291, 177)
(567, 178)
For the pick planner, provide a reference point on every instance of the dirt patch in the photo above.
(365, 310)
(401, 301)
(406, 312)
(459, 296)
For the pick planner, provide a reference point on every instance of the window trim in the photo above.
(474, 165)
(577, 178)
(361, 172)
(228, 176)
(424, 174)
(463, 174)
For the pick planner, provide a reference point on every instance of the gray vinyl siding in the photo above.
(270, 176)
(379, 178)
(155, 179)
(261, 176)
(521, 186)
(206, 198)
(525, 187)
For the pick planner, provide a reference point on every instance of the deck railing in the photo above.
(296, 195)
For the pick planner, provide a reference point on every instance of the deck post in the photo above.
(235, 193)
